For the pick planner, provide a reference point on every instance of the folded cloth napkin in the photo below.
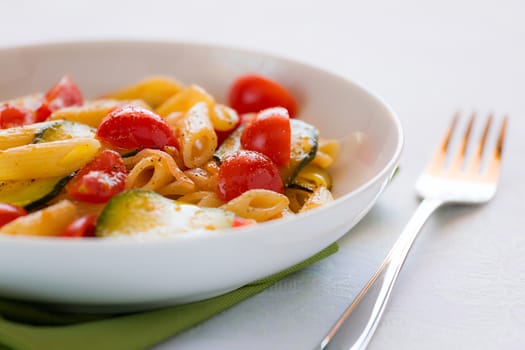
(27, 326)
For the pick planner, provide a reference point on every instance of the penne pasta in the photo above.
(155, 170)
(49, 221)
(207, 199)
(154, 91)
(184, 100)
(223, 117)
(204, 178)
(198, 139)
(92, 112)
(49, 159)
(21, 135)
(327, 152)
(260, 205)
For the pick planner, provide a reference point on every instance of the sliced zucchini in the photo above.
(21, 135)
(148, 213)
(63, 130)
(31, 194)
(305, 138)
(303, 148)
(229, 146)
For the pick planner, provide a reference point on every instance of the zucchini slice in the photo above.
(21, 135)
(305, 138)
(229, 146)
(63, 130)
(147, 213)
(31, 194)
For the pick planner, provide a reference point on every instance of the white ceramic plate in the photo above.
(128, 274)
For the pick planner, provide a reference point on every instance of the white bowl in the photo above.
(130, 274)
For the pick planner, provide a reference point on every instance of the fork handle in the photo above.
(374, 296)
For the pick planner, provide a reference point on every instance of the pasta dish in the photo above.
(156, 158)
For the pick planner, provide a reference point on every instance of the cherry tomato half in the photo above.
(269, 133)
(246, 170)
(65, 93)
(132, 127)
(253, 93)
(9, 212)
(100, 179)
(84, 226)
(239, 222)
(12, 115)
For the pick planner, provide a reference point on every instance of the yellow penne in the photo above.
(157, 170)
(92, 112)
(49, 159)
(49, 221)
(205, 178)
(19, 136)
(154, 91)
(198, 139)
(327, 153)
(260, 205)
(223, 117)
(184, 100)
(207, 199)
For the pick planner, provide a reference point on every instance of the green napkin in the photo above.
(26, 326)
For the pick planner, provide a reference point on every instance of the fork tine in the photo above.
(493, 167)
(459, 158)
(478, 156)
(438, 161)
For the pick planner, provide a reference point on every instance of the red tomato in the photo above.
(133, 127)
(81, 227)
(247, 170)
(100, 179)
(253, 93)
(11, 115)
(9, 212)
(65, 93)
(269, 133)
(238, 222)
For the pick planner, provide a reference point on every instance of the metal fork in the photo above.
(451, 177)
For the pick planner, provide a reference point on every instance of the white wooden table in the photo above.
(463, 286)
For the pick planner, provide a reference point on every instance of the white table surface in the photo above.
(463, 286)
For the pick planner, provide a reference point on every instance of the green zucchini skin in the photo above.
(63, 130)
(141, 212)
(32, 194)
(229, 146)
(304, 143)
(305, 140)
